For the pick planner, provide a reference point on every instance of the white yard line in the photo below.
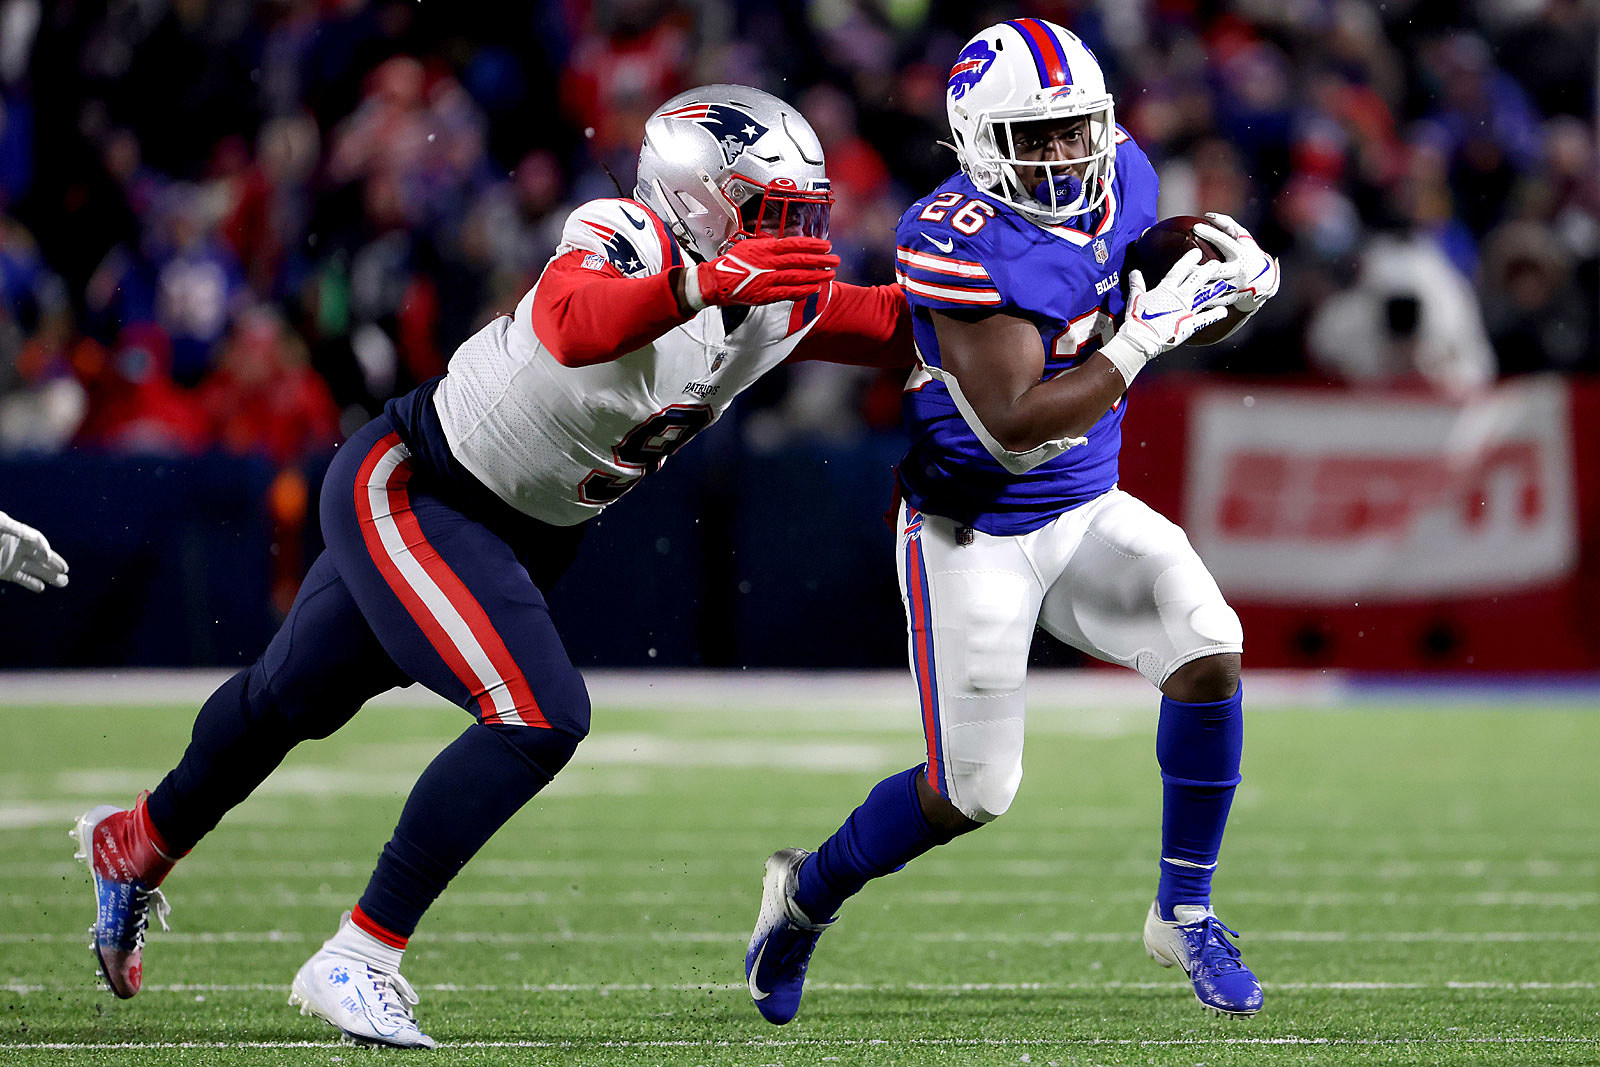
(848, 1042)
(955, 898)
(834, 987)
(1056, 937)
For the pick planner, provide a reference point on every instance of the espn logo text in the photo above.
(1302, 496)
(1347, 497)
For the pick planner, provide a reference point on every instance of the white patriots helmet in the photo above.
(725, 162)
(1020, 71)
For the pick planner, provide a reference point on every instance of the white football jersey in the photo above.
(560, 443)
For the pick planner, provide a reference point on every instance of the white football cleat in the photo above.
(1198, 942)
(369, 1006)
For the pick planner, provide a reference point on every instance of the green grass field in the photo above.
(1415, 885)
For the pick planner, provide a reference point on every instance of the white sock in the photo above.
(354, 943)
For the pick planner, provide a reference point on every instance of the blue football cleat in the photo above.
(780, 949)
(1195, 942)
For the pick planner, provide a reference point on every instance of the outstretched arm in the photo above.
(863, 326)
(588, 315)
(588, 312)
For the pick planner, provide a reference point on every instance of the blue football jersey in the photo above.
(958, 249)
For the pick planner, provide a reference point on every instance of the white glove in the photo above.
(1191, 297)
(1253, 273)
(25, 557)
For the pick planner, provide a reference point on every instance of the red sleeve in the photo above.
(862, 325)
(586, 316)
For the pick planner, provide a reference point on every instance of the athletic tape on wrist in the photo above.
(1124, 356)
(691, 288)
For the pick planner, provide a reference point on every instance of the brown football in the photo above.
(1162, 245)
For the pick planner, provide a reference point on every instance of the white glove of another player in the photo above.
(1160, 319)
(26, 558)
(1253, 273)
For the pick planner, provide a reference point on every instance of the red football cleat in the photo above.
(126, 861)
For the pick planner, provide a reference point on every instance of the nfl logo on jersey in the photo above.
(1101, 253)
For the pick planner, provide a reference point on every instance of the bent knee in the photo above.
(1205, 680)
(984, 792)
(545, 749)
(558, 700)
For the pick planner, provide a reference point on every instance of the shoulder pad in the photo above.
(625, 232)
(942, 247)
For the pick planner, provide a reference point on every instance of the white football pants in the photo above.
(1112, 578)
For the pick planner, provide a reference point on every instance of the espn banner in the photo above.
(1339, 497)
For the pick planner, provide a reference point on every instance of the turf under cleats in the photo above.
(369, 1006)
(1196, 942)
(784, 938)
(126, 865)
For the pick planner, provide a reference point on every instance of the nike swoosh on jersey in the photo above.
(639, 225)
(946, 246)
(756, 992)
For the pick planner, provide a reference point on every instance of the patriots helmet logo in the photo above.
(971, 65)
(733, 129)
(619, 250)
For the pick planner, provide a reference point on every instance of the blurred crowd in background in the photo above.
(243, 225)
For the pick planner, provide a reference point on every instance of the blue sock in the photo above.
(468, 792)
(881, 836)
(1198, 747)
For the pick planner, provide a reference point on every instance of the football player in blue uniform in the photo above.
(1011, 517)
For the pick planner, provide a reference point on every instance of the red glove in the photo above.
(761, 270)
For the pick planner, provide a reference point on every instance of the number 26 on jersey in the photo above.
(969, 218)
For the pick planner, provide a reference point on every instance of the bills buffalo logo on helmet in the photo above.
(970, 67)
(734, 130)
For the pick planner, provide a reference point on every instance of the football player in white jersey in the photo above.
(447, 516)
(1012, 517)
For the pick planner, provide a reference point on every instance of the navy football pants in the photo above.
(419, 582)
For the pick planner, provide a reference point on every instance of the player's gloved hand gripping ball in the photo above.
(1160, 319)
(1254, 274)
(761, 270)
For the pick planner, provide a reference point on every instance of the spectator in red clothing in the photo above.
(134, 407)
(634, 56)
(263, 398)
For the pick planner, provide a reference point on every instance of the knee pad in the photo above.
(983, 791)
(547, 751)
(563, 701)
(1197, 620)
(996, 620)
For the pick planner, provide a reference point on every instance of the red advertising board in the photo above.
(1389, 531)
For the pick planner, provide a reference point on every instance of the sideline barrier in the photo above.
(1369, 530)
